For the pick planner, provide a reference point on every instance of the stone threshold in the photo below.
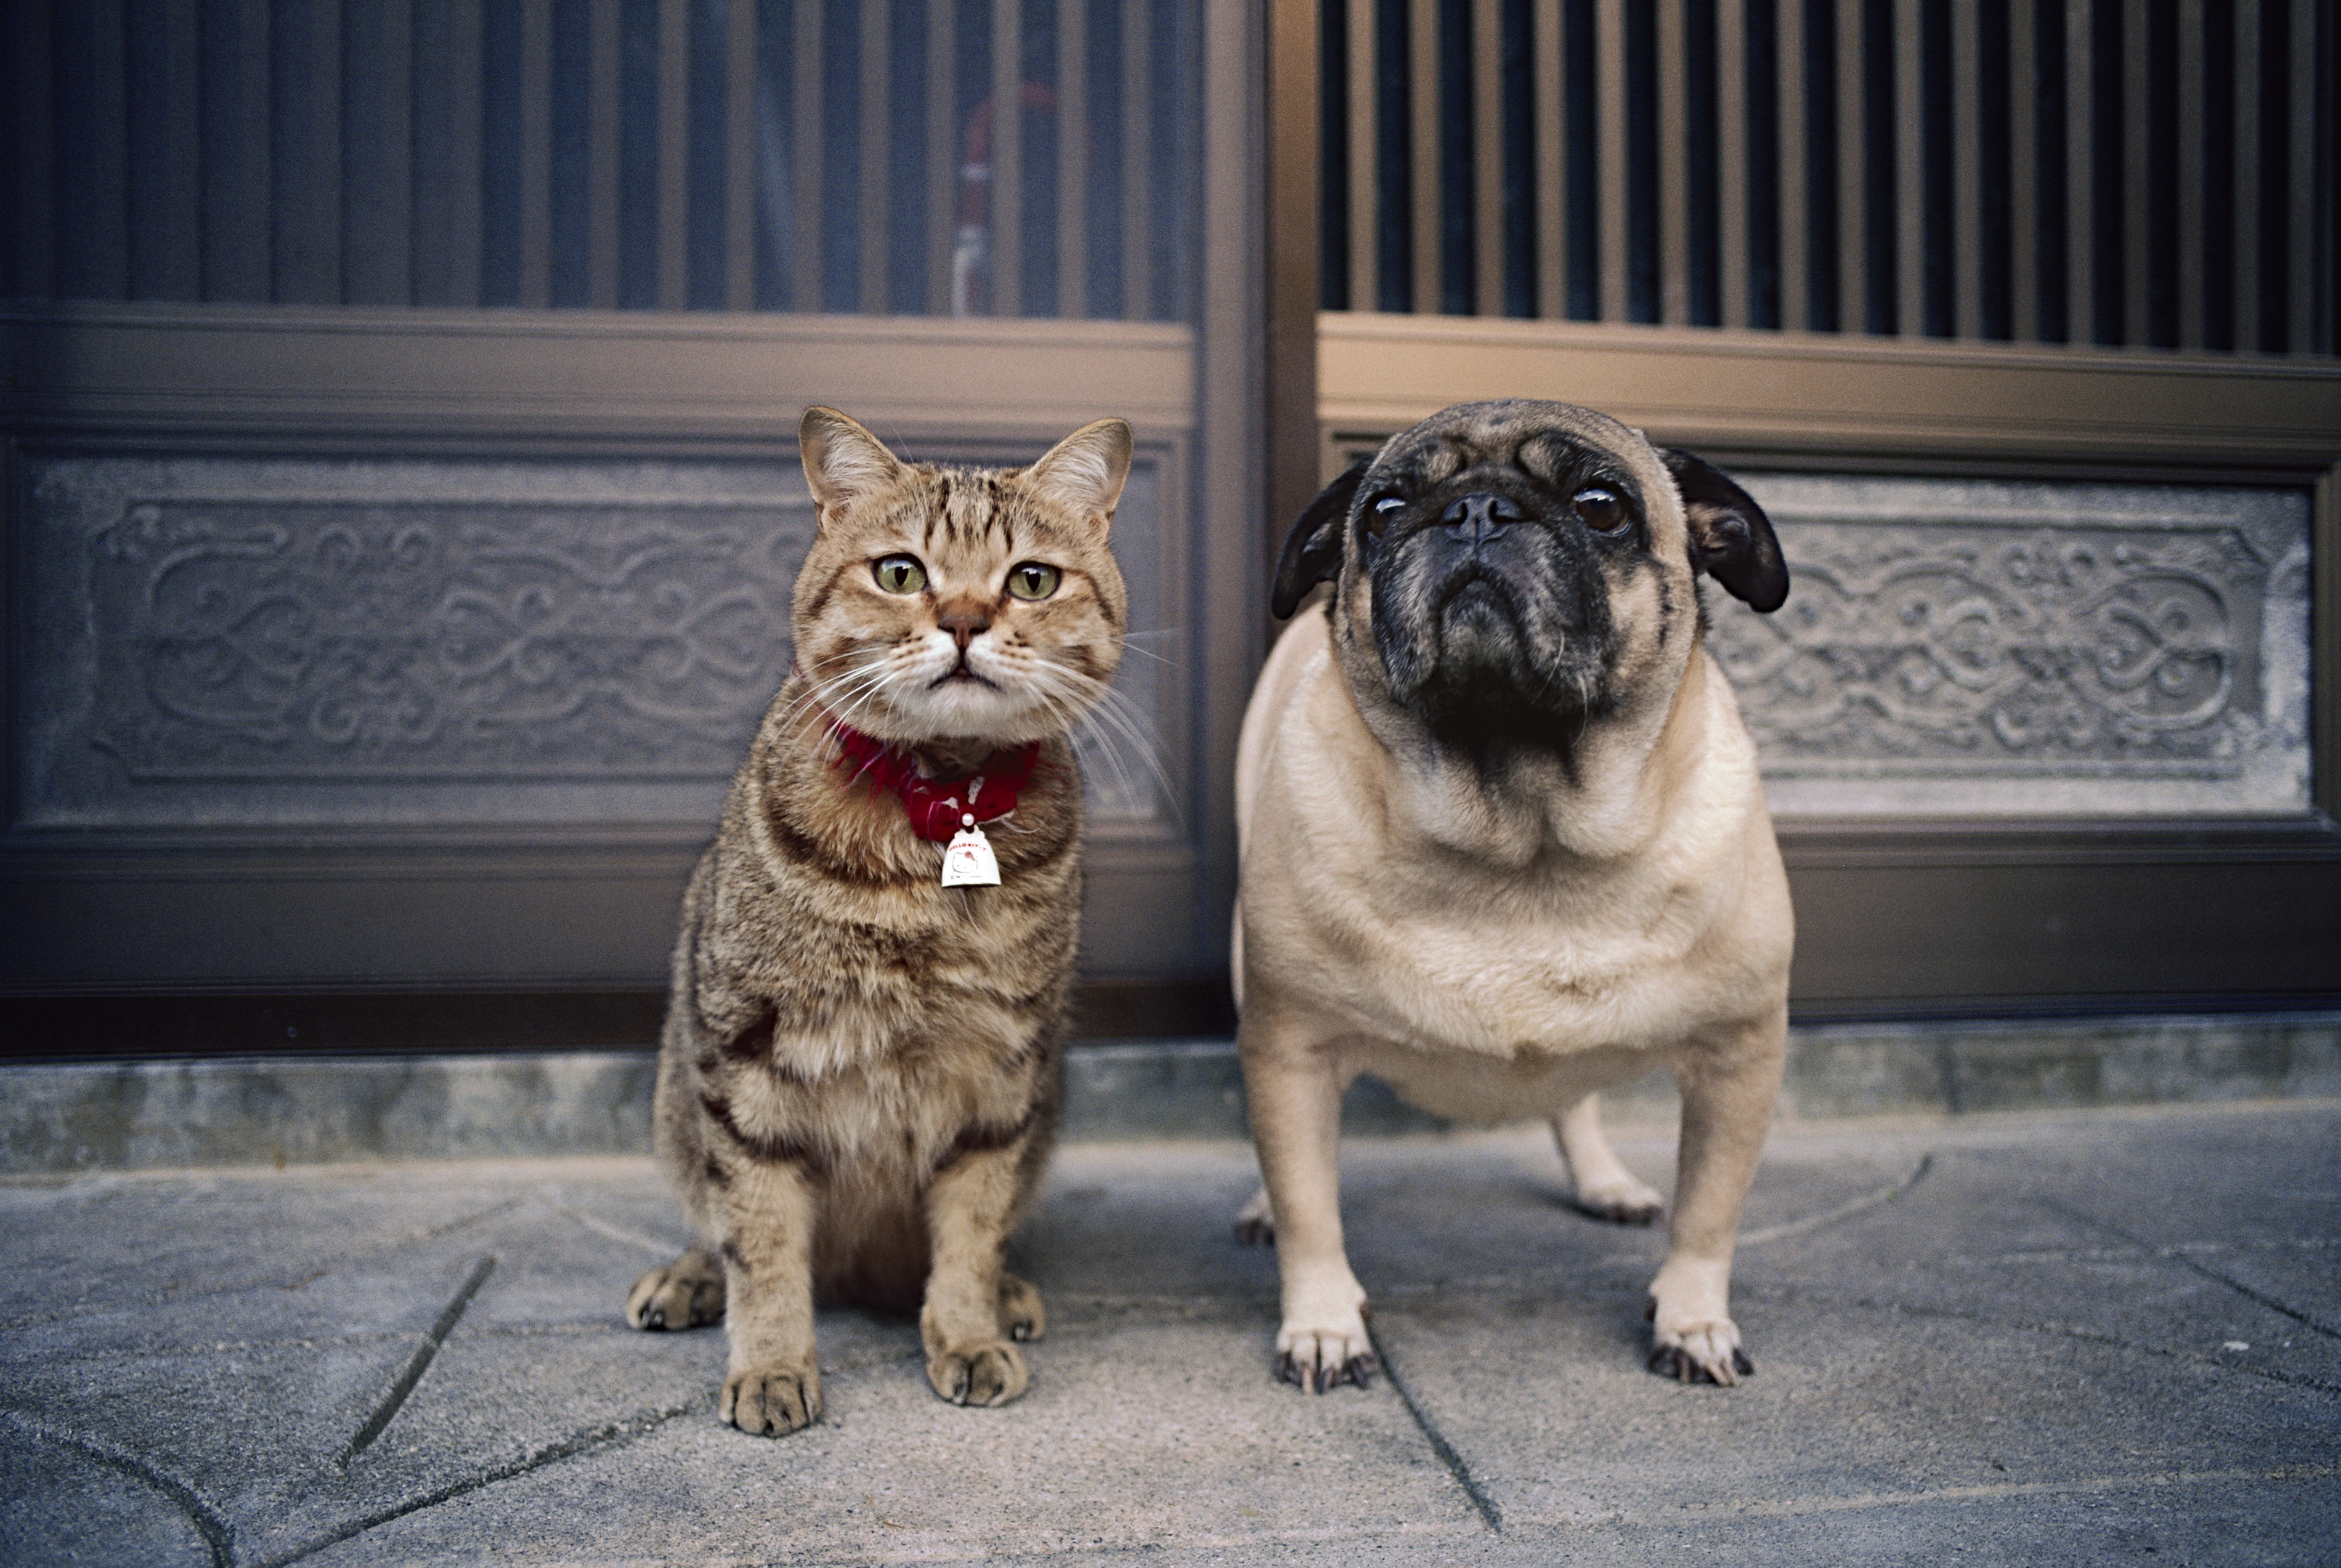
(284, 1110)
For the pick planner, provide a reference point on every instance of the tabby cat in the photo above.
(861, 1070)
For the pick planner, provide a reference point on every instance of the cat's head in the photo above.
(940, 604)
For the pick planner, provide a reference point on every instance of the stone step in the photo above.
(154, 1114)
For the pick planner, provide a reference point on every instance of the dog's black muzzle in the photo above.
(1488, 609)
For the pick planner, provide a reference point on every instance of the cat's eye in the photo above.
(1032, 580)
(1600, 507)
(900, 574)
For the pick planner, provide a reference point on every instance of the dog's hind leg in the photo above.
(1256, 1221)
(1605, 1188)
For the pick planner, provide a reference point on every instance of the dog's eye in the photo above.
(1600, 508)
(1379, 512)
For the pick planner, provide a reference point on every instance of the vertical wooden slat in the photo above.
(1138, 192)
(673, 204)
(1073, 158)
(326, 46)
(464, 74)
(166, 237)
(2246, 175)
(2308, 203)
(1909, 171)
(1422, 88)
(94, 214)
(1487, 158)
(806, 185)
(1292, 199)
(1611, 201)
(1674, 167)
(1731, 158)
(1007, 158)
(447, 154)
(2136, 238)
(2080, 175)
(1796, 210)
(1969, 258)
(1365, 187)
(943, 150)
(536, 154)
(740, 156)
(1547, 115)
(34, 242)
(603, 129)
(1852, 174)
(877, 173)
(2191, 237)
(2023, 171)
(378, 200)
(237, 242)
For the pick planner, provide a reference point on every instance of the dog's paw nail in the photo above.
(1740, 1364)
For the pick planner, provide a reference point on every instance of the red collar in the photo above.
(936, 807)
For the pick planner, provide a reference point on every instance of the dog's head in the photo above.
(1523, 568)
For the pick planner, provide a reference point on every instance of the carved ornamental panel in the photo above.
(272, 642)
(2020, 649)
(353, 640)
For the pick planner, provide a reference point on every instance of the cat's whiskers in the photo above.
(1092, 710)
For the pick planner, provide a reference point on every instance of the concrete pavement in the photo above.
(2102, 1337)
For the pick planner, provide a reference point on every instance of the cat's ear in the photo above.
(841, 460)
(1083, 473)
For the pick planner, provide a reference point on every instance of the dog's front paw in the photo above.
(1316, 1359)
(978, 1374)
(1021, 1315)
(1698, 1352)
(771, 1401)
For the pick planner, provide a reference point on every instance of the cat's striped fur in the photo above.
(860, 1071)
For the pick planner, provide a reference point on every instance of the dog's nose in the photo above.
(1481, 515)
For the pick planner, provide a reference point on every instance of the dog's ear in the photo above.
(1312, 550)
(1731, 538)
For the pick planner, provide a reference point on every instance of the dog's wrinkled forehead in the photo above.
(1549, 440)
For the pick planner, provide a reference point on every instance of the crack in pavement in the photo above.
(666, 1250)
(2238, 1285)
(200, 1511)
(1763, 1290)
(417, 1363)
(289, 1278)
(1874, 1198)
(611, 1434)
(1491, 1515)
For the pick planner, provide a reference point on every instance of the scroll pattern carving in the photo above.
(1974, 647)
(326, 640)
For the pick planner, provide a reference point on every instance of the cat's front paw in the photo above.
(771, 1401)
(978, 1374)
(1021, 1315)
(686, 1293)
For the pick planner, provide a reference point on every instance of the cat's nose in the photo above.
(963, 620)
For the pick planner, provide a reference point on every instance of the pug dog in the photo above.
(1504, 843)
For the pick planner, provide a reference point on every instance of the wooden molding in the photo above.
(705, 377)
(1820, 394)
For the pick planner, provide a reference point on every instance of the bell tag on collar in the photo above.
(968, 860)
